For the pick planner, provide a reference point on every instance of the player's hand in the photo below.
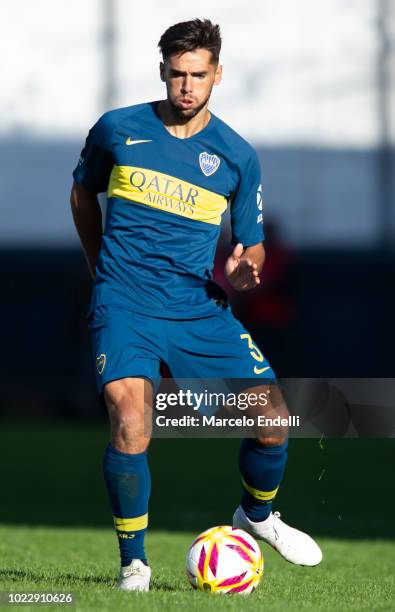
(241, 273)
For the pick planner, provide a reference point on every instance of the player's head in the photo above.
(190, 66)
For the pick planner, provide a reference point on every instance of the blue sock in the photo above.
(262, 469)
(128, 484)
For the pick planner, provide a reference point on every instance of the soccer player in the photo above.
(170, 169)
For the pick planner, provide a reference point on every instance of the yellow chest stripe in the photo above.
(166, 192)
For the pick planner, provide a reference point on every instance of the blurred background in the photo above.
(312, 86)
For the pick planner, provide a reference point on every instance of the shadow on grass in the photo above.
(17, 576)
(159, 585)
(40, 577)
(51, 475)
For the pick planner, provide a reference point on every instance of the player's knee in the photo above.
(130, 430)
(129, 418)
(125, 398)
(119, 392)
(277, 439)
(128, 423)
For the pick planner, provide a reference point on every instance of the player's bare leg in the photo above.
(262, 463)
(129, 405)
(126, 472)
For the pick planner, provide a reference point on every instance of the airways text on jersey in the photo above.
(166, 192)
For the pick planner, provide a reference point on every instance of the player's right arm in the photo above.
(91, 177)
(88, 222)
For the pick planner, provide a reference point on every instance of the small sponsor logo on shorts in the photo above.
(101, 363)
(260, 370)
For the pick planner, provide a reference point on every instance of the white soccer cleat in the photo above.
(134, 577)
(294, 545)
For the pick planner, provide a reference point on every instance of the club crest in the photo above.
(209, 163)
(100, 363)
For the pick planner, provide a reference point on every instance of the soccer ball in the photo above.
(224, 560)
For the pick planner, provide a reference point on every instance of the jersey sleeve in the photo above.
(246, 205)
(95, 164)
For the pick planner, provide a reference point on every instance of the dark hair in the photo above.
(189, 36)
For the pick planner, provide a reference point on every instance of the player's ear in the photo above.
(162, 71)
(218, 75)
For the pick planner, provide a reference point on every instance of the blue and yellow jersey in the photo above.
(166, 198)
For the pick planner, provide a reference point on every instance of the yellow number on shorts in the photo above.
(256, 355)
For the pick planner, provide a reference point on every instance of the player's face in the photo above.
(189, 79)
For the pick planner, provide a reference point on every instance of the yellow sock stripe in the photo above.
(261, 495)
(131, 524)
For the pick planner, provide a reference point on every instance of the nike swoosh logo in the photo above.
(260, 370)
(130, 141)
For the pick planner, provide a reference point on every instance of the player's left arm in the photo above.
(243, 266)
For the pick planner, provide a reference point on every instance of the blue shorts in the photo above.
(129, 344)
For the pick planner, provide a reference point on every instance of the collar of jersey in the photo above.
(207, 128)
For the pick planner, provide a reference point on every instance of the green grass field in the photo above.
(56, 534)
